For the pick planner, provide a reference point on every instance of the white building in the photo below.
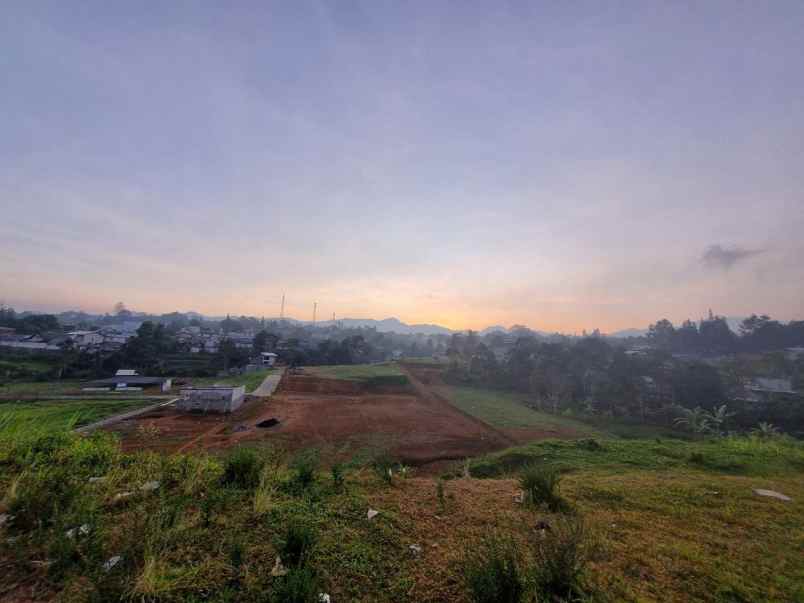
(268, 358)
(86, 339)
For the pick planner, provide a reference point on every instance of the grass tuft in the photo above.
(492, 572)
(540, 487)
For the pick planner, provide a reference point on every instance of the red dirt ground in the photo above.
(411, 423)
(415, 424)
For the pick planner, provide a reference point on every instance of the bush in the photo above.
(299, 585)
(492, 573)
(297, 544)
(589, 444)
(561, 556)
(242, 469)
(540, 487)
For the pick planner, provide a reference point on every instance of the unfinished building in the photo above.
(216, 398)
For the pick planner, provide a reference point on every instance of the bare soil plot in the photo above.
(414, 426)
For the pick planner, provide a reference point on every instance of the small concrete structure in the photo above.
(268, 358)
(216, 398)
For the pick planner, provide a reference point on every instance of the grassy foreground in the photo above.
(670, 521)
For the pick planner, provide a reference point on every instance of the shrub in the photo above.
(299, 585)
(561, 555)
(589, 444)
(697, 458)
(297, 544)
(242, 469)
(492, 573)
(304, 468)
(540, 487)
(442, 500)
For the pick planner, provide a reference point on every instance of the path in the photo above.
(123, 416)
(269, 384)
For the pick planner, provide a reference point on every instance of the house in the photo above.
(217, 398)
(120, 382)
(86, 339)
(268, 358)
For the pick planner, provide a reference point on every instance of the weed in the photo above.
(492, 572)
(337, 477)
(304, 468)
(540, 487)
(383, 466)
(265, 494)
(297, 544)
(697, 458)
(442, 501)
(562, 554)
(299, 585)
(242, 469)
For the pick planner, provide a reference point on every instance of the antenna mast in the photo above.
(315, 307)
(282, 309)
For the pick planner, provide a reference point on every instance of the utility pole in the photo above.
(282, 309)
(315, 307)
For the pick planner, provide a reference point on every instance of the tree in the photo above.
(662, 334)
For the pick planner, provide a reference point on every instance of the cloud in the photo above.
(722, 258)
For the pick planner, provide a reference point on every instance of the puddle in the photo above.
(268, 423)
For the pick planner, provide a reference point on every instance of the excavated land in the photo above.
(408, 421)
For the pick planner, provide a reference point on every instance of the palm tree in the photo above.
(695, 420)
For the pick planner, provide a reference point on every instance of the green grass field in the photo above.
(36, 388)
(251, 380)
(356, 372)
(54, 415)
(505, 410)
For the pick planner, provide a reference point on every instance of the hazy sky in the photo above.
(564, 165)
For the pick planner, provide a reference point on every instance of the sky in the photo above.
(562, 165)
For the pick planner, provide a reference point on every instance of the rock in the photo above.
(542, 525)
(5, 518)
(324, 598)
(772, 494)
(149, 486)
(519, 497)
(372, 514)
(123, 495)
(111, 562)
(278, 569)
(93, 480)
(415, 549)
(80, 531)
